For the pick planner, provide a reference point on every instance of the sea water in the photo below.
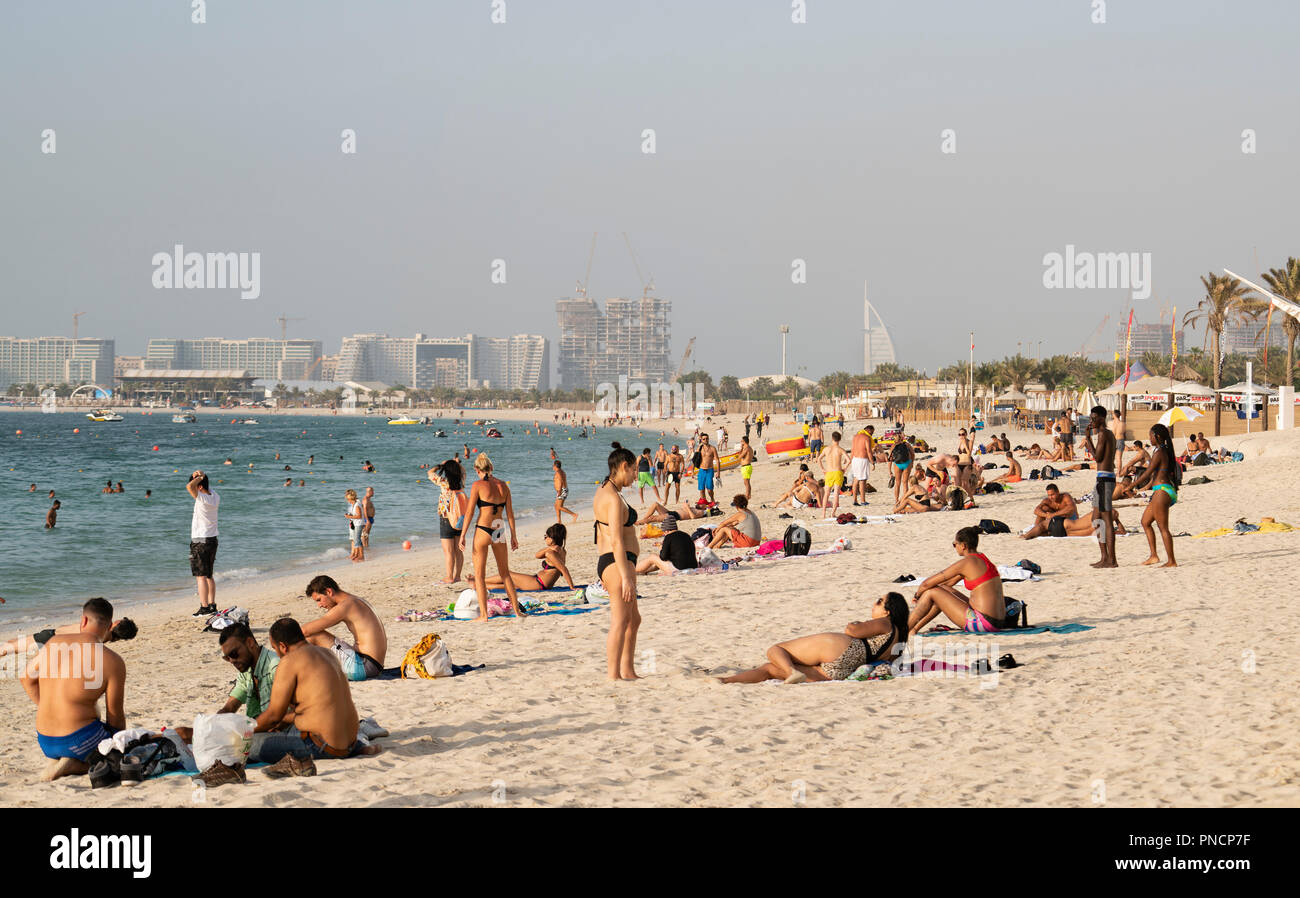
(125, 547)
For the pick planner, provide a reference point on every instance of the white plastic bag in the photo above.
(221, 737)
(466, 605)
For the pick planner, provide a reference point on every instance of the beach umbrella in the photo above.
(1179, 413)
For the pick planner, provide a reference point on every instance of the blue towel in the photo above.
(1026, 631)
(500, 590)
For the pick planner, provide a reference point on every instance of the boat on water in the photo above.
(249, 421)
(403, 419)
(493, 433)
(440, 433)
(184, 418)
(100, 414)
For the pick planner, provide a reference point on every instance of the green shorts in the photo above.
(645, 478)
(746, 471)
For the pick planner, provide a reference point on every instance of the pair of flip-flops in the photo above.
(904, 578)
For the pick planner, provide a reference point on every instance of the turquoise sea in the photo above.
(123, 546)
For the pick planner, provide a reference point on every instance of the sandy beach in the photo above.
(1181, 694)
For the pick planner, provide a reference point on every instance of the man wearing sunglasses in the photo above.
(256, 667)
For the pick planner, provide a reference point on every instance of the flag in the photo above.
(1173, 343)
(1128, 347)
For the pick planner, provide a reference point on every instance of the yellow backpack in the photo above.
(429, 659)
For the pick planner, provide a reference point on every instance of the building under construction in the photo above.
(629, 337)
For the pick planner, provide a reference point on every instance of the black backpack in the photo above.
(992, 487)
(797, 540)
(1017, 614)
(899, 452)
(988, 525)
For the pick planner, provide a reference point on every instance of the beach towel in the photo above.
(1267, 525)
(945, 630)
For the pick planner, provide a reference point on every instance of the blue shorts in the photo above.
(78, 745)
(815, 446)
(704, 478)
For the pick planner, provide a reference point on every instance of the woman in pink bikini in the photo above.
(984, 611)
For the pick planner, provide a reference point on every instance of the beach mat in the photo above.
(395, 673)
(500, 590)
(1019, 631)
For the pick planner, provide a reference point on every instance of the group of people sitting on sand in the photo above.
(296, 691)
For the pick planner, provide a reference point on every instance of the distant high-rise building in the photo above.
(329, 368)
(877, 346)
(520, 362)
(126, 363)
(262, 357)
(47, 361)
(1147, 338)
(631, 337)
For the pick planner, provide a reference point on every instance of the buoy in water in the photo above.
(76, 430)
(155, 448)
(407, 545)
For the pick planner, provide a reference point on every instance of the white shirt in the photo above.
(204, 522)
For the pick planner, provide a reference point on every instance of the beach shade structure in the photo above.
(1240, 387)
(1012, 396)
(1087, 399)
(1179, 413)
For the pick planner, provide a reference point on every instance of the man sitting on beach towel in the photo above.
(66, 679)
(1057, 515)
(365, 657)
(325, 722)
(256, 666)
(741, 529)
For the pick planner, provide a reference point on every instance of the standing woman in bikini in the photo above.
(488, 497)
(615, 536)
(1165, 476)
(984, 611)
(965, 458)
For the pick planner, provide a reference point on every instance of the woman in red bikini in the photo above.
(984, 611)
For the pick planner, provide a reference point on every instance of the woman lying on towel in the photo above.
(552, 555)
(984, 611)
(834, 656)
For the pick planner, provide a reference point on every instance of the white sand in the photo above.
(1158, 705)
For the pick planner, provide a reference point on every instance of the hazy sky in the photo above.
(775, 142)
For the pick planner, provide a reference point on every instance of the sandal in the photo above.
(1006, 662)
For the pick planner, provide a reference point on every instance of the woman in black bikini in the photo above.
(835, 656)
(553, 557)
(492, 494)
(615, 537)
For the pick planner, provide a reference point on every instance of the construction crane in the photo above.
(76, 319)
(582, 287)
(284, 325)
(647, 286)
(1087, 348)
(681, 369)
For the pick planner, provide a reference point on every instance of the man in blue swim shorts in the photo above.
(704, 477)
(66, 678)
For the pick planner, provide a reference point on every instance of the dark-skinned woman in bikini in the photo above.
(488, 498)
(1165, 476)
(553, 557)
(835, 656)
(615, 536)
(983, 611)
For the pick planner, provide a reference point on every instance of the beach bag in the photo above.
(709, 558)
(847, 518)
(1017, 614)
(1237, 456)
(993, 487)
(988, 526)
(702, 532)
(221, 737)
(466, 605)
(1035, 474)
(429, 659)
(1201, 460)
(1050, 473)
(797, 540)
(229, 617)
(651, 531)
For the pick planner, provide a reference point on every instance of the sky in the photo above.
(774, 142)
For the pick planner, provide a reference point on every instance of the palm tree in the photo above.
(1018, 370)
(1225, 302)
(1053, 371)
(834, 384)
(729, 387)
(1285, 282)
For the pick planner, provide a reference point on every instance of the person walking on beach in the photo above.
(674, 468)
(861, 452)
(643, 476)
(833, 459)
(356, 518)
(1165, 477)
(561, 483)
(615, 534)
(203, 540)
(492, 494)
(451, 514)
(746, 459)
(661, 458)
(1103, 505)
(368, 509)
(706, 471)
(815, 437)
(758, 424)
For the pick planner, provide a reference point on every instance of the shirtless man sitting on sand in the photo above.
(804, 492)
(325, 721)
(65, 679)
(1138, 462)
(1013, 474)
(362, 659)
(1057, 507)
